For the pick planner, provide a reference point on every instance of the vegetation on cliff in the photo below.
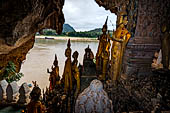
(10, 73)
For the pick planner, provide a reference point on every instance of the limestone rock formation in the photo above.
(145, 18)
(20, 20)
(94, 100)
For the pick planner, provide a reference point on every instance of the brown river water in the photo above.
(42, 55)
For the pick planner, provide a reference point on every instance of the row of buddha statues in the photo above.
(113, 67)
(67, 88)
(108, 65)
(71, 72)
(119, 38)
(70, 81)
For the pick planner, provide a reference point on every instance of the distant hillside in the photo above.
(96, 30)
(67, 28)
(69, 31)
(91, 34)
(99, 30)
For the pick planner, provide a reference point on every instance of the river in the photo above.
(42, 55)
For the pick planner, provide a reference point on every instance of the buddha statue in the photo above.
(35, 105)
(67, 74)
(75, 73)
(89, 67)
(120, 38)
(102, 56)
(88, 54)
(54, 74)
(165, 47)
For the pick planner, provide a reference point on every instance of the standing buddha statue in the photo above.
(102, 55)
(67, 74)
(54, 74)
(165, 47)
(120, 38)
(76, 74)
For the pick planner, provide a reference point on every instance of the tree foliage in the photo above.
(10, 73)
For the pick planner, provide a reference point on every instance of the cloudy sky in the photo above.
(86, 15)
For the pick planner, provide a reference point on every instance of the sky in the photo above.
(84, 15)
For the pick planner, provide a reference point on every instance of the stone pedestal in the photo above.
(3, 86)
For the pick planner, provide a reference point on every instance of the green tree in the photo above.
(10, 73)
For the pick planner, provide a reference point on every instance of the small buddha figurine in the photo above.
(102, 54)
(120, 39)
(165, 47)
(67, 74)
(88, 54)
(76, 74)
(54, 74)
(35, 106)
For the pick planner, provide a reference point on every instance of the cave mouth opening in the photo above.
(41, 56)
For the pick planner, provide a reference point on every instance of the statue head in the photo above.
(35, 93)
(75, 55)
(125, 20)
(104, 29)
(87, 49)
(68, 50)
(55, 63)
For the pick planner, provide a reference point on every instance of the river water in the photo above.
(42, 55)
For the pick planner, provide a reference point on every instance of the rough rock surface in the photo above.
(145, 18)
(93, 100)
(141, 93)
(20, 20)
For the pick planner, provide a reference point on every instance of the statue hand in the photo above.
(48, 70)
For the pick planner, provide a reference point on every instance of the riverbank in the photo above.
(66, 38)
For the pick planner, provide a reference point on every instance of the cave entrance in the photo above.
(86, 16)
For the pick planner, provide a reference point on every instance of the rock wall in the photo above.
(139, 54)
(20, 20)
(145, 18)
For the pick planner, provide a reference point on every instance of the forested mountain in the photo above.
(68, 28)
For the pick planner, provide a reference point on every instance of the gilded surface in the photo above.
(120, 38)
(166, 47)
(75, 73)
(67, 74)
(54, 74)
(102, 55)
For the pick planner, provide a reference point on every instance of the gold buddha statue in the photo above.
(35, 106)
(75, 73)
(120, 38)
(67, 74)
(102, 55)
(165, 47)
(54, 74)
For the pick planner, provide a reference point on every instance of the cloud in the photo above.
(86, 15)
